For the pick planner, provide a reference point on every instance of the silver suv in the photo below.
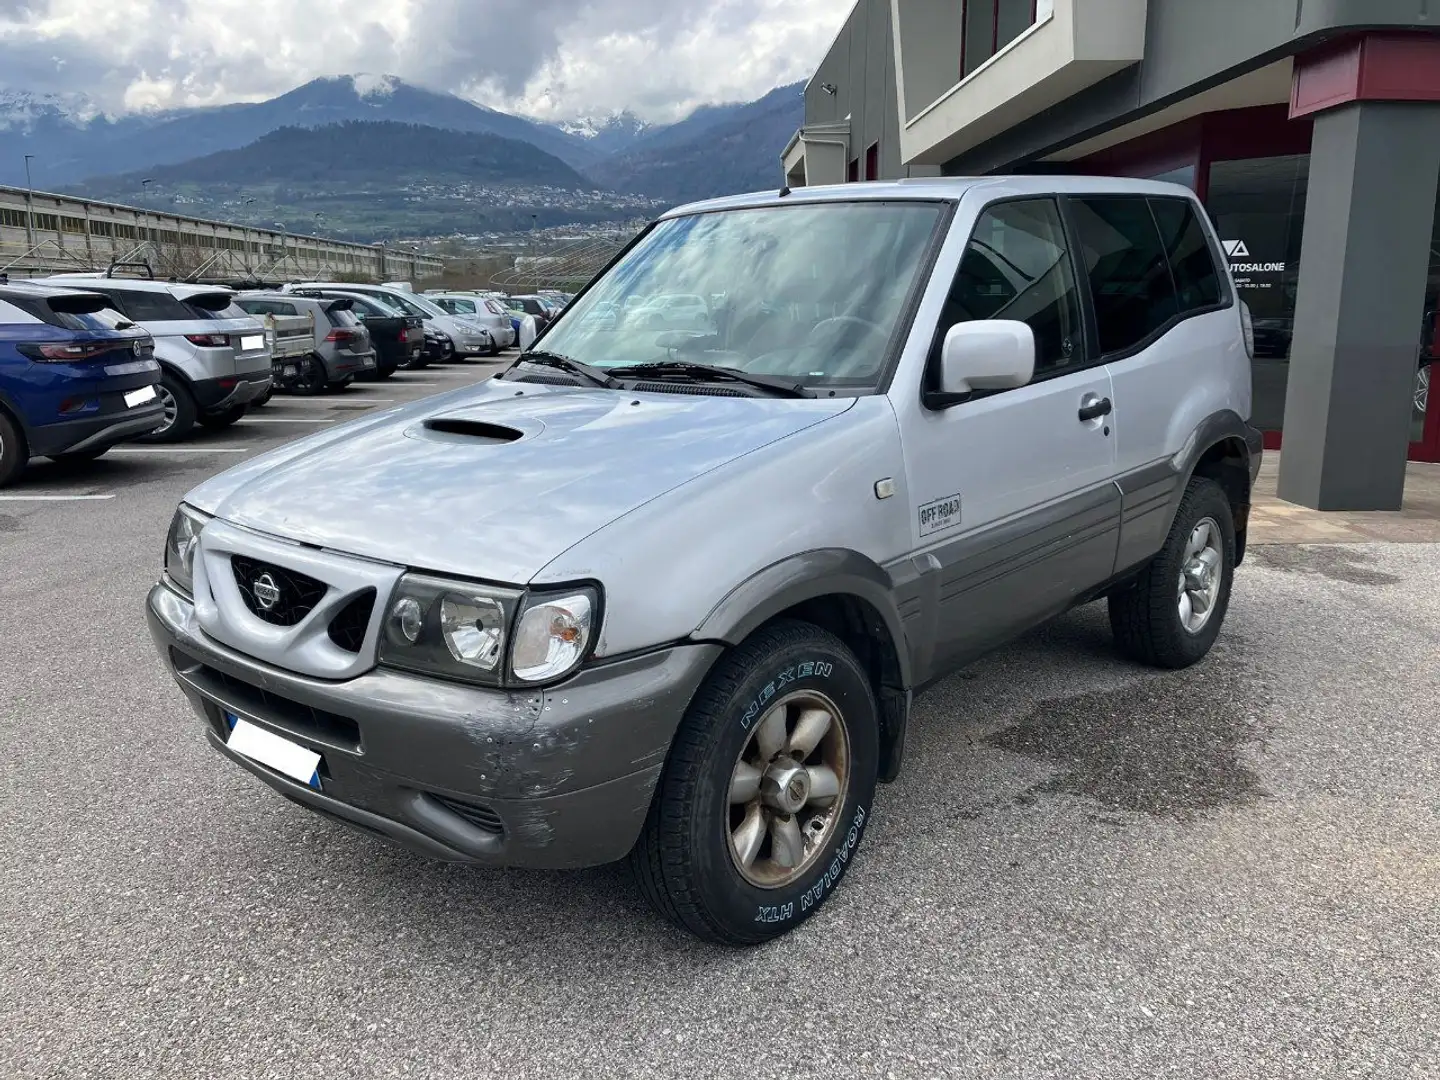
(213, 356)
(668, 596)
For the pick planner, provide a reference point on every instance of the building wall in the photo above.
(1190, 46)
(861, 67)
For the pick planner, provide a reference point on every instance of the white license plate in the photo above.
(252, 342)
(139, 397)
(282, 755)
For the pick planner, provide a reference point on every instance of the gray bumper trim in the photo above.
(568, 772)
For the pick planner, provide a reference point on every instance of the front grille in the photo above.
(347, 629)
(482, 817)
(290, 596)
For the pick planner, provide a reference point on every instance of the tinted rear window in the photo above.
(1191, 259)
(342, 317)
(150, 306)
(1129, 276)
(39, 308)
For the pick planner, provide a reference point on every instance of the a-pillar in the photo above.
(1369, 215)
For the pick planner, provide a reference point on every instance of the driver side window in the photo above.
(1018, 266)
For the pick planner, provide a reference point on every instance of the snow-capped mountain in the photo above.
(22, 111)
(68, 148)
(608, 134)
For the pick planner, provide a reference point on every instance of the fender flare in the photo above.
(808, 576)
(1215, 429)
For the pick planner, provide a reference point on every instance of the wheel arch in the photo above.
(846, 594)
(1226, 449)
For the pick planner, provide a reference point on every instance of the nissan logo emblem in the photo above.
(267, 593)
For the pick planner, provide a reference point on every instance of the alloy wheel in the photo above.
(1422, 390)
(1201, 575)
(787, 790)
(172, 409)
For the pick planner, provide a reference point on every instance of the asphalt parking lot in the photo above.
(1086, 870)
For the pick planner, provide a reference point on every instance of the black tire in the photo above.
(683, 860)
(313, 380)
(174, 392)
(14, 452)
(222, 420)
(494, 347)
(1146, 619)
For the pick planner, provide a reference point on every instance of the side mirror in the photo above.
(991, 354)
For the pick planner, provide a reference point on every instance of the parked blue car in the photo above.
(75, 377)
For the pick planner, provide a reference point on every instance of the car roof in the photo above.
(929, 189)
(180, 289)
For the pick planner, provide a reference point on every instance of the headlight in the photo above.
(180, 547)
(553, 636)
(449, 628)
(479, 633)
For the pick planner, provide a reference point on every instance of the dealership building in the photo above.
(1310, 129)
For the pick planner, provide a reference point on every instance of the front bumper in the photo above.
(555, 778)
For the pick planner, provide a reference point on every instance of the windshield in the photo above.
(809, 292)
(412, 305)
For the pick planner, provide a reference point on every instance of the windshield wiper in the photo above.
(542, 358)
(711, 372)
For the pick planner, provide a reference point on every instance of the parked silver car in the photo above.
(669, 597)
(342, 347)
(490, 314)
(469, 338)
(213, 357)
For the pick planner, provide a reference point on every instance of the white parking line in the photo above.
(180, 450)
(332, 403)
(283, 420)
(54, 498)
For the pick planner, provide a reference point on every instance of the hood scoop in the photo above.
(461, 429)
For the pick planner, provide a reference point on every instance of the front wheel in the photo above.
(1173, 614)
(767, 789)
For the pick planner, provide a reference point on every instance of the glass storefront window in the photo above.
(1258, 206)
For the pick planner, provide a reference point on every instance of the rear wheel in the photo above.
(13, 451)
(180, 411)
(766, 791)
(313, 379)
(221, 420)
(1173, 614)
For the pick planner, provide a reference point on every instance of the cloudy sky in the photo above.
(555, 59)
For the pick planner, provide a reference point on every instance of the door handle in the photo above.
(1092, 407)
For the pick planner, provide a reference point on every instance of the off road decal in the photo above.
(940, 515)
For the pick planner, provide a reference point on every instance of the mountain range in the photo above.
(718, 149)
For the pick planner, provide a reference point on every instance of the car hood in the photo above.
(495, 482)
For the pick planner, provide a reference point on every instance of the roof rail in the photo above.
(143, 265)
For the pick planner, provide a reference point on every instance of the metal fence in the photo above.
(568, 267)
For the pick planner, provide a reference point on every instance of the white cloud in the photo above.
(550, 58)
